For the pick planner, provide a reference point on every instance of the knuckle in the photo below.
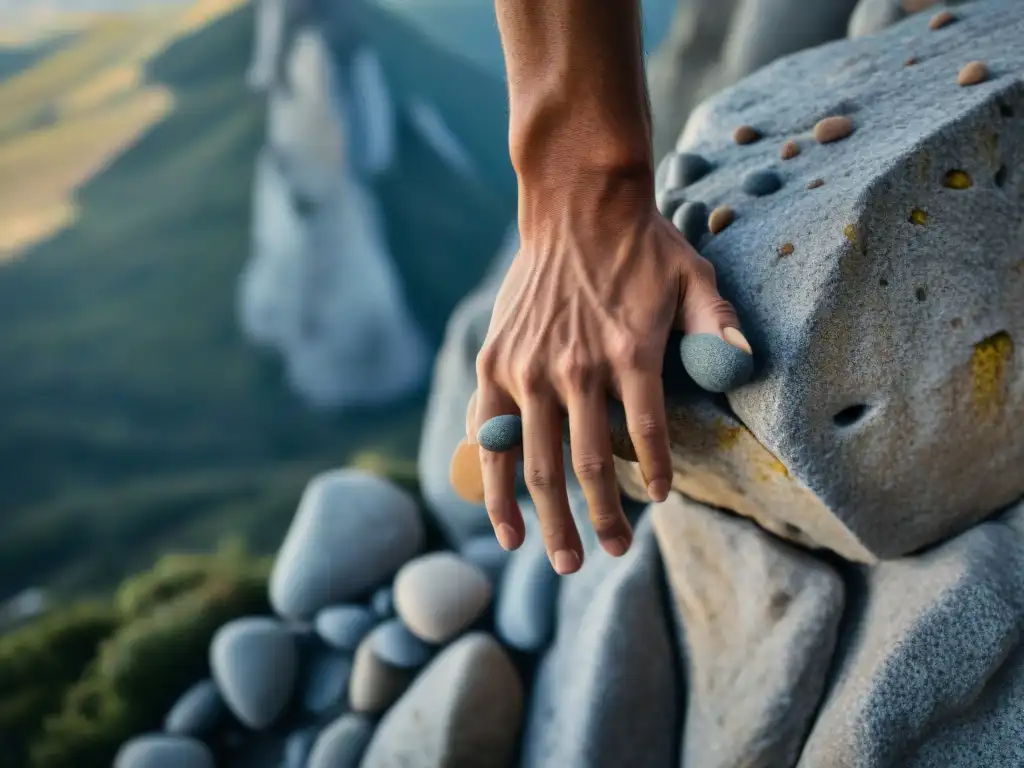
(576, 371)
(530, 377)
(487, 361)
(628, 353)
(538, 476)
(605, 522)
(645, 426)
(592, 467)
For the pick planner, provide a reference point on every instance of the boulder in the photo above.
(255, 663)
(881, 288)
(606, 694)
(758, 621)
(931, 670)
(351, 533)
(464, 711)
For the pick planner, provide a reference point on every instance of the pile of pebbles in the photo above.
(380, 651)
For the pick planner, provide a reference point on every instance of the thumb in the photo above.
(714, 351)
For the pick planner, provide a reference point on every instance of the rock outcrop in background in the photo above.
(870, 226)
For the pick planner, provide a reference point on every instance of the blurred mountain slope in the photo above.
(133, 417)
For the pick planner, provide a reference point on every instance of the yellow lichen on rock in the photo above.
(989, 364)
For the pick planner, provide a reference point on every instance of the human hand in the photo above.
(585, 310)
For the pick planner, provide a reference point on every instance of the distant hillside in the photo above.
(133, 417)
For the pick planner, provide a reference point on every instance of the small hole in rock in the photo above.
(883, 282)
(1006, 110)
(956, 322)
(1001, 175)
(791, 530)
(919, 294)
(850, 415)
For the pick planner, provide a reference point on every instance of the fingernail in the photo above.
(658, 490)
(617, 547)
(566, 561)
(506, 536)
(737, 339)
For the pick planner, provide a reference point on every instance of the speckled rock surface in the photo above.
(464, 711)
(501, 433)
(352, 531)
(607, 694)
(758, 621)
(892, 325)
(931, 673)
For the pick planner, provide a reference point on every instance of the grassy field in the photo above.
(134, 419)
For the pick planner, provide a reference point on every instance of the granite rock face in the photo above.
(931, 667)
(606, 692)
(889, 394)
(758, 621)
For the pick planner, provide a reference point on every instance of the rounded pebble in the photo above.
(197, 712)
(524, 617)
(720, 218)
(816, 183)
(686, 168)
(297, 747)
(670, 199)
(832, 129)
(350, 534)
(439, 595)
(940, 20)
(761, 183)
(342, 627)
(383, 603)
(254, 662)
(374, 685)
(163, 751)
(397, 646)
(501, 434)
(789, 150)
(714, 364)
(911, 61)
(487, 554)
(692, 221)
(342, 743)
(957, 179)
(786, 249)
(464, 473)
(326, 682)
(972, 73)
(746, 134)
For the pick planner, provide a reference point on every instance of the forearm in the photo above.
(578, 106)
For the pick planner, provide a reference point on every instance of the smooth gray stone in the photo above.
(374, 685)
(488, 555)
(383, 603)
(439, 595)
(757, 622)
(163, 751)
(501, 434)
(326, 682)
(197, 712)
(352, 531)
(398, 647)
(297, 748)
(254, 662)
(714, 364)
(464, 709)
(524, 617)
(692, 221)
(685, 168)
(668, 200)
(342, 627)
(762, 182)
(342, 744)
(931, 673)
(607, 694)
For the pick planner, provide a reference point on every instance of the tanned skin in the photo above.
(600, 280)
